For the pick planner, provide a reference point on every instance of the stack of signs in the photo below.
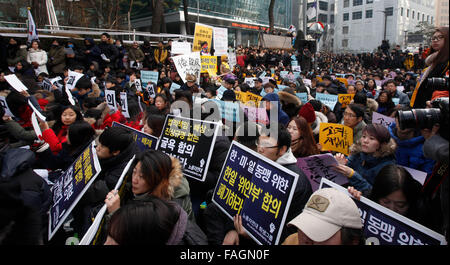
(71, 186)
(188, 64)
(143, 141)
(191, 141)
(382, 226)
(258, 189)
(378, 118)
(149, 76)
(345, 99)
(336, 137)
(228, 110)
(317, 167)
(327, 99)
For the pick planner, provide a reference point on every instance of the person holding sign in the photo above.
(395, 189)
(367, 157)
(154, 174)
(354, 118)
(329, 218)
(57, 135)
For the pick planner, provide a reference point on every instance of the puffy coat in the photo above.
(367, 166)
(410, 152)
(39, 56)
(57, 59)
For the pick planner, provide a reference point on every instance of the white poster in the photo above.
(188, 64)
(73, 79)
(110, 96)
(38, 113)
(381, 119)
(180, 48)
(232, 60)
(220, 38)
(15, 83)
(124, 101)
(35, 123)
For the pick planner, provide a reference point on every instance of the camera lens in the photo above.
(419, 118)
(437, 83)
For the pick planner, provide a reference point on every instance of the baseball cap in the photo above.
(325, 213)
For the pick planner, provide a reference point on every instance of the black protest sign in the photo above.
(191, 141)
(143, 141)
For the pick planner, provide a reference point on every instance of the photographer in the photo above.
(438, 62)
(434, 125)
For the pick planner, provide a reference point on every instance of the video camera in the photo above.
(427, 118)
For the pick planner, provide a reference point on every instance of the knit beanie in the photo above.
(307, 112)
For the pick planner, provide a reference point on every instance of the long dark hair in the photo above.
(59, 124)
(80, 134)
(392, 178)
(442, 55)
(308, 145)
(149, 223)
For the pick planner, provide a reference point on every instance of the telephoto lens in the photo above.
(419, 118)
(437, 83)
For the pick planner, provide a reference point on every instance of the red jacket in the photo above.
(55, 141)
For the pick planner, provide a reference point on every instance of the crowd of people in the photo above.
(159, 204)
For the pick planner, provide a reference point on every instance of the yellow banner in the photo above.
(345, 99)
(343, 80)
(209, 64)
(202, 34)
(336, 137)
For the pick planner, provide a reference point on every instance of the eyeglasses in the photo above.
(437, 38)
(351, 115)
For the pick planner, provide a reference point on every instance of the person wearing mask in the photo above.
(438, 66)
(74, 56)
(15, 52)
(367, 157)
(56, 58)
(92, 53)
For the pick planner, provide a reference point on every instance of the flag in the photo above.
(311, 12)
(32, 32)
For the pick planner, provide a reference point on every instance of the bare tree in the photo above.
(271, 18)
(158, 14)
(186, 17)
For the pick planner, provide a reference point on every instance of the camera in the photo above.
(426, 118)
(437, 83)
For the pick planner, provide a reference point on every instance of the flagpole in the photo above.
(317, 43)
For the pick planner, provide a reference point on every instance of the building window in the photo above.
(332, 7)
(357, 2)
(418, 15)
(323, 5)
(323, 18)
(346, 16)
(407, 13)
(369, 2)
(389, 11)
(401, 12)
(346, 3)
(369, 13)
(345, 43)
(332, 19)
(423, 17)
(357, 15)
(413, 14)
(345, 30)
(432, 20)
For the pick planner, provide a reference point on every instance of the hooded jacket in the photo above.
(367, 166)
(409, 152)
(291, 103)
(283, 118)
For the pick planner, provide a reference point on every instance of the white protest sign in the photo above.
(73, 79)
(136, 65)
(138, 85)
(38, 113)
(188, 64)
(4, 105)
(15, 83)
(110, 96)
(418, 175)
(46, 85)
(151, 91)
(149, 76)
(307, 82)
(250, 82)
(400, 88)
(327, 99)
(296, 68)
(220, 38)
(35, 124)
(124, 101)
(181, 48)
(381, 119)
(174, 87)
(232, 60)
